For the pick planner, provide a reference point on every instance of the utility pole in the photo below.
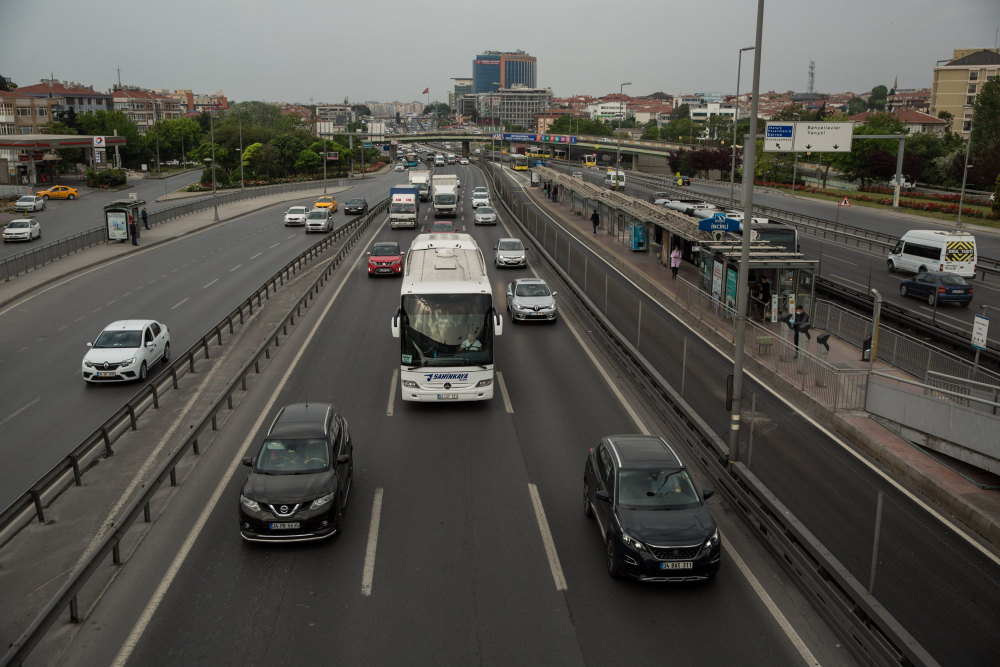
(742, 287)
(965, 171)
(211, 125)
(324, 165)
(618, 158)
(240, 118)
(736, 120)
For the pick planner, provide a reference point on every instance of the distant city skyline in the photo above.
(856, 45)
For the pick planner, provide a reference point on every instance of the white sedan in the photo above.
(480, 198)
(296, 215)
(464, 160)
(22, 230)
(125, 350)
(29, 203)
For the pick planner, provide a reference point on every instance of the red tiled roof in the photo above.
(140, 95)
(57, 89)
(905, 115)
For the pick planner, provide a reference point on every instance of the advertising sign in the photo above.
(98, 142)
(510, 136)
(717, 280)
(117, 225)
(979, 330)
(774, 308)
(483, 61)
(731, 287)
(330, 155)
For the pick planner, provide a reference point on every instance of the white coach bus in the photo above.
(446, 321)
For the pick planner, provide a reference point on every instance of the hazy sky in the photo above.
(392, 49)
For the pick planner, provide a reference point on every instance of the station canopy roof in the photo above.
(54, 141)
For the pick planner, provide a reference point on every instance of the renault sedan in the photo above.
(654, 524)
(480, 197)
(531, 299)
(126, 350)
(318, 220)
(299, 479)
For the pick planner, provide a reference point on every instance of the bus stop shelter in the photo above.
(31, 158)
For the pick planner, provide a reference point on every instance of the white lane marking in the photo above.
(292, 236)
(235, 267)
(369, 572)
(275, 245)
(392, 392)
(858, 455)
(79, 318)
(850, 281)
(257, 255)
(503, 392)
(790, 632)
(211, 283)
(17, 412)
(837, 259)
(180, 303)
(182, 554)
(550, 545)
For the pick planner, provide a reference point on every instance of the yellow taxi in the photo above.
(326, 202)
(59, 192)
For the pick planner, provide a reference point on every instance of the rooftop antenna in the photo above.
(119, 76)
(812, 75)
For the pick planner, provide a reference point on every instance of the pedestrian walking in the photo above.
(555, 193)
(765, 296)
(145, 218)
(675, 261)
(595, 219)
(800, 324)
(133, 231)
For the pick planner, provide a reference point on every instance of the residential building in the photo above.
(545, 118)
(702, 112)
(76, 96)
(212, 102)
(603, 110)
(517, 105)
(493, 70)
(25, 114)
(183, 97)
(919, 100)
(690, 100)
(957, 81)
(644, 113)
(144, 107)
(338, 114)
(917, 122)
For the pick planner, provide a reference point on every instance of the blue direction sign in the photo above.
(368, 144)
(718, 223)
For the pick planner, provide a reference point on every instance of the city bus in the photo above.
(446, 321)
(590, 160)
(534, 151)
(520, 162)
(411, 158)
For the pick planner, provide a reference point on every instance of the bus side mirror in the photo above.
(497, 323)
(395, 325)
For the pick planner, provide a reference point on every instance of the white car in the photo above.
(318, 220)
(480, 197)
(296, 215)
(400, 167)
(605, 140)
(126, 350)
(22, 230)
(464, 160)
(29, 203)
(485, 215)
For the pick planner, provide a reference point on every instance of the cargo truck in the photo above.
(404, 206)
(421, 180)
(444, 188)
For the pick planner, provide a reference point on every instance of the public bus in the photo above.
(534, 151)
(520, 162)
(411, 158)
(590, 160)
(446, 321)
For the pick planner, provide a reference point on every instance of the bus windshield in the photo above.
(446, 330)
(783, 237)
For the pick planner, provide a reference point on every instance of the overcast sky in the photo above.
(387, 50)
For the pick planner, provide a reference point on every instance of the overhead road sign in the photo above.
(779, 137)
(980, 328)
(817, 137)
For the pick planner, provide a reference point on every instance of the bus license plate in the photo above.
(676, 566)
(442, 397)
(288, 525)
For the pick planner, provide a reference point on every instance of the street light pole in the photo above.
(742, 285)
(215, 202)
(240, 118)
(795, 168)
(324, 165)
(736, 120)
(621, 106)
(965, 171)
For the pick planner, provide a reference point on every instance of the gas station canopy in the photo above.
(54, 141)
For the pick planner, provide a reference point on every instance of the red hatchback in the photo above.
(385, 259)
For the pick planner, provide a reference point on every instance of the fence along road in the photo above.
(821, 482)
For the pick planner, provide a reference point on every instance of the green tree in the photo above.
(996, 195)
(250, 154)
(107, 123)
(720, 127)
(361, 110)
(171, 133)
(985, 135)
(683, 111)
(307, 161)
(947, 117)
(357, 127)
(652, 132)
(856, 164)
(856, 105)
(289, 147)
(877, 99)
(678, 130)
(3, 84)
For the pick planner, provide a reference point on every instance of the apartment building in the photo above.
(23, 114)
(518, 105)
(957, 81)
(82, 99)
(144, 107)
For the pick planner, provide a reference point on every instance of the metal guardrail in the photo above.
(871, 633)
(15, 265)
(125, 418)
(109, 544)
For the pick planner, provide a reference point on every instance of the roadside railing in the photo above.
(15, 265)
(125, 419)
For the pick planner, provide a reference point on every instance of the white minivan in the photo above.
(935, 252)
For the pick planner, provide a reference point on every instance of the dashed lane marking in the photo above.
(180, 303)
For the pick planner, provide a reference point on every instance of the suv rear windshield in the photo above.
(293, 457)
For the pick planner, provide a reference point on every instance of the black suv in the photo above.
(358, 206)
(298, 485)
(653, 521)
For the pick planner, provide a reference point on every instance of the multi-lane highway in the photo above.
(460, 570)
(188, 284)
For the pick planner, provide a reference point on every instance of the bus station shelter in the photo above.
(32, 158)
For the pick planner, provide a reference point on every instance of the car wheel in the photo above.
(587, 510)
(902, 290)
(892, 267)
(611, 562)
(45, 197)
(965, 304)
(930, 299)
(166, 354)
(72, 197)
(142, 371)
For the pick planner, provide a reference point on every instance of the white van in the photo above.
(935, 252)
(614, 179)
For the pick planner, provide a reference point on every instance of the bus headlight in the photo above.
(484, 383)
(410, 384)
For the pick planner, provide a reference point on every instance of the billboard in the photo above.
(483, 61)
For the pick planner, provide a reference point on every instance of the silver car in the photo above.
(480, 197)
(530, 299)
(510, 252)
(485, 215)
(318, 220)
